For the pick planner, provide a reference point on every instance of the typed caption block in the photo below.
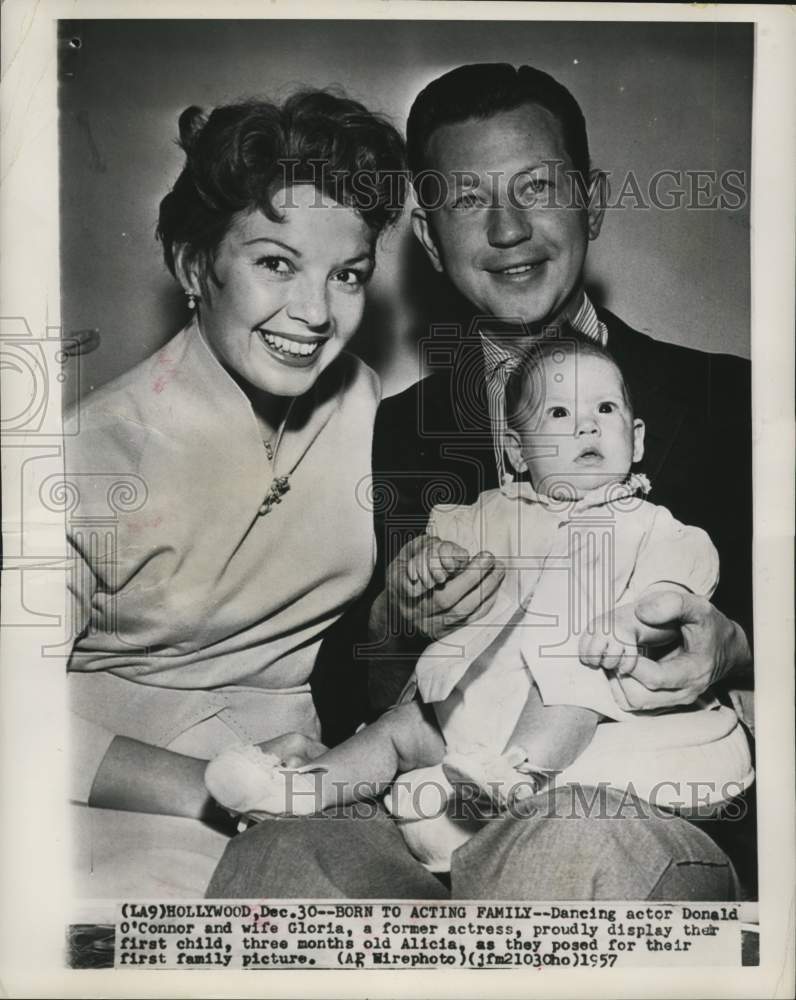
(273, 934)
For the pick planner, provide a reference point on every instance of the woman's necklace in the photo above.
(276, 491)
(279, 485)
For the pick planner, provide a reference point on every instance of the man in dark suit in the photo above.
(508, 150)
(504, 142)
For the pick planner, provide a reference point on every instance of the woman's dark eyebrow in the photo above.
(270, 239)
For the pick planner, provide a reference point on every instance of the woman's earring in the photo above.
(191, 300)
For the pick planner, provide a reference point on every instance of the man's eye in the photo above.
(559, 411)
(468, 199)
(532, 189)
(606, 408)
(276, 265)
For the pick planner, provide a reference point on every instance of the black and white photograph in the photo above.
(397, 492)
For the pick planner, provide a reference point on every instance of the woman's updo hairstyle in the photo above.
(239, 156)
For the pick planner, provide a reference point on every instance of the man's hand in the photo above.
(612, 641)
(435, 611)
(711, 647)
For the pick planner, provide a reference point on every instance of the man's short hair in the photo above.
(482, 90)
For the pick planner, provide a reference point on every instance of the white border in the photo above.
(33, 891)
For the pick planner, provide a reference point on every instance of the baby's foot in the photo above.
(505, 779)
(248, 782)
(420, 794)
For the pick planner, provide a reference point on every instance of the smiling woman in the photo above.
(288, 295)
(199, 617)
(280, 278)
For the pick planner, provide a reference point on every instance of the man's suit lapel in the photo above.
(469, 452)
(663, 413)
(468, 394)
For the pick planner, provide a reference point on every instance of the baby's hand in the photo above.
(608, 652)
(248, 782)
(612, 642)
(433, 564)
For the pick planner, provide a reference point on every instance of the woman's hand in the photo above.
(293, 749)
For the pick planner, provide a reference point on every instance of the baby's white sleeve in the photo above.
(675, 553)
(669, 553)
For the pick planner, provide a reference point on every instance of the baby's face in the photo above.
(581, 434)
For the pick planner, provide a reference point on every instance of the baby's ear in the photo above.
(638, 439)
(513, 447)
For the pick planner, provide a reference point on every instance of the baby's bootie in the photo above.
(506, 779)
(248, 782)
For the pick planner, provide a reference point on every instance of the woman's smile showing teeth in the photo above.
(289, 349)
(291, 292)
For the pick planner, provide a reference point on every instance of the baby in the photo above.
(509, 701)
